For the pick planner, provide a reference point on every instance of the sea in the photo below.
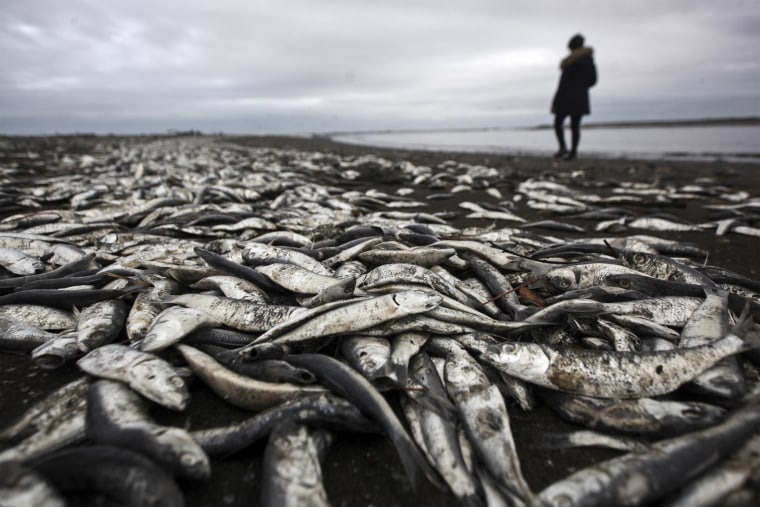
(732, 143)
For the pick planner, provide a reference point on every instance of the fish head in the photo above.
(640, 261)
(182, 453)
(522, 360)
(682, 416)
(561, 279)
(416, 301)
(158, 381)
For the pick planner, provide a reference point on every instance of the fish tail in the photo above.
(745, 329)
(414, 463)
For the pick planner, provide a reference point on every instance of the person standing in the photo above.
(571, 99)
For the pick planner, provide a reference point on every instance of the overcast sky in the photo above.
(298, 66)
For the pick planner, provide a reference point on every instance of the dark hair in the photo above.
(576, 42)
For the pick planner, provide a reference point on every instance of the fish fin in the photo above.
(746, 330)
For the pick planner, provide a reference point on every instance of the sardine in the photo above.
(315, 409)
(239, 390)
(638, 477)
(118, 416)
(346, 382)
(484, 415)
(608, 374)
(100, 323)
(292, 472)
(21, 486)
(172, 325)
(146, 373)
(124, 475)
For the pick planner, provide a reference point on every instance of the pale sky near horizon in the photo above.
(301, 66)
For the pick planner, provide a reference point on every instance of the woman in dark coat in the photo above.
(571, 99)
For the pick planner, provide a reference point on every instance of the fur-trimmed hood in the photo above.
(574, 56)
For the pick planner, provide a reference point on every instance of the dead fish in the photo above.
(483, 413)
(353, 316)
(118, 416)
(587, 438)
(233, 287)
(43, 317)
(147, 305)
(436, 432)
(708, 323)
(237, 313)
(145, 372)
(63, 427)
(124, 475)
(638, 416)
(57, 351)
(609, 374)
(21, 486)
(666, 268)
(256, 254)
(172, 325)
(324, 409)
(100, 323)
(346, 382)
(19, 263)
(641, 476)
(715, 486)
(369, 355)
(292, 473)
(239, 390)
(18, 335)
(296, 278)
(422, 256)
(41, 415)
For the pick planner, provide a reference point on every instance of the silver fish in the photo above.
(118, 416)
(638, 477)
(437, 434)
(146, 373)
(296, 278)
(21, 486)
(237, 313)
(356, 316)
(100, 323)
(239, 390)
(483, 413)
(609, 374)
(19, 263)
(43, 317)
(172, 325)
(18, 335)
(292, 473)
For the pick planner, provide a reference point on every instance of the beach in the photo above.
(363, 469)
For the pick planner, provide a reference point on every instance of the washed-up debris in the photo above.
(288, 285)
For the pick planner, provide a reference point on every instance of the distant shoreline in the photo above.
(698, 122)
(695, 122)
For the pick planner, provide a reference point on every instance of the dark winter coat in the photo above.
(578, 75)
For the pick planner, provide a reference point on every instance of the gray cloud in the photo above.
(304, 66)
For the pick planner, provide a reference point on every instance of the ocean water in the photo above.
(731, 143)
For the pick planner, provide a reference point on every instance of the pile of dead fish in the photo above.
(292, 290)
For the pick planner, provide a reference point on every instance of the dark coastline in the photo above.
(361, 469)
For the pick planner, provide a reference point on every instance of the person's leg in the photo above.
(575, 130)
(559, 131)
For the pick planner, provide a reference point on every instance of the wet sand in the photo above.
(364, 469)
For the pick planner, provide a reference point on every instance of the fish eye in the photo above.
(624, 283)
(564, 284)
(639, 258)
